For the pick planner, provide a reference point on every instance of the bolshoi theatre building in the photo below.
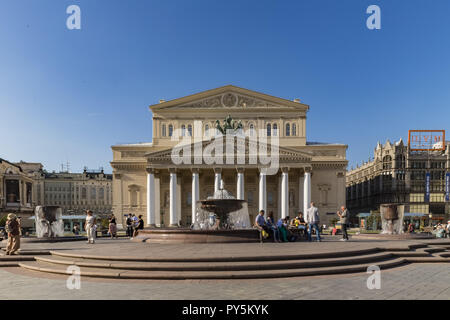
(273, 167)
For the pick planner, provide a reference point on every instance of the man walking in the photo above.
(90, 227)
(343, 215)
(313, 220)
(13, 229)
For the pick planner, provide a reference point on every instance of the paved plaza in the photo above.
(416, 281)
(410, 281)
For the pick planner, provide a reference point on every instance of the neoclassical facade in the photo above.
(148, 180)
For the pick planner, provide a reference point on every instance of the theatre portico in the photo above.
(147, 180)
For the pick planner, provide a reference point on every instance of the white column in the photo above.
(217, 178)
(262, 193)
(307, 191)
(240, 184)
(284, 193)
(301, 182)
(150, 199)
(179, 181)
(173, 199)
(157, 205)
(195, 193)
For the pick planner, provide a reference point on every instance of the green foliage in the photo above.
(375, 217)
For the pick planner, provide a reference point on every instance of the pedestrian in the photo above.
(12, 227)
(139, 226)
(313, 220)
(129, 223)
(76, 230)
(90, 227)
(282, 226)
(448, 229)
(343, 215)
(112, 227)
(261, 225)
(134, 224)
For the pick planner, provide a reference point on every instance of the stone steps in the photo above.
(28, 252)
(41, 266)
(219, 266)
(228, 258)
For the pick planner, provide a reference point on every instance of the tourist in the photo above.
(135, 223)
(90, 227)
(129, 223)
(76, 230)
(313, 220)
(271, 224)
(260, 223)
(140, 226)
(301, 223)
(12, 227)
(447, 229)
(282, 226)
(112, 227)
(343, 215)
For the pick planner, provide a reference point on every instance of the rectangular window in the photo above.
(416, 197)
(437, 197)
(250, 198)
(419, 208)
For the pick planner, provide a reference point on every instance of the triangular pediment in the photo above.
(230, 98)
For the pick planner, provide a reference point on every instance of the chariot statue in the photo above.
(228, 124)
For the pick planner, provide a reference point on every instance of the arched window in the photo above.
(183, 130)
(269, 129)
(294, 129)
(163, 130)
(288, 129)
(275, 130)
(170, 130)
(252, 129)
(190, 130)
(207, 130)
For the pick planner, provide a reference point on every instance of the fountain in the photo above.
(49, 223)
(392, 225)
(49, 226)
(221, 212)
(219, 219)
(392, 218)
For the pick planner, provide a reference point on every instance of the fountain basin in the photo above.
(186, 235)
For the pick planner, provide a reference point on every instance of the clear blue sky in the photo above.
(71, 94)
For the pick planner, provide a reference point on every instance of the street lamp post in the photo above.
(430, 216)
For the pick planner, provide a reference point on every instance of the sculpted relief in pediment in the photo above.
(229, 100)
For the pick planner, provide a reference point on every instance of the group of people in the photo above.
(134, 224)
(282, 230)
(442, 230)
